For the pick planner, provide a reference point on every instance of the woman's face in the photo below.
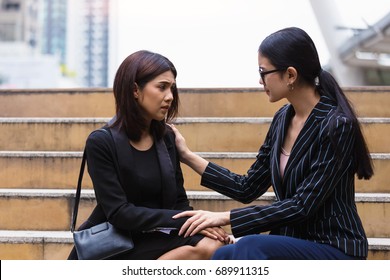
(156, 97)
(275, 85)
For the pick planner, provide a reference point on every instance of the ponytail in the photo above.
(328, 86)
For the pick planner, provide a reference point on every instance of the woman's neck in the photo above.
(144, 143)
(304, 99)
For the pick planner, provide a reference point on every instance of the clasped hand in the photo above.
(206, 223)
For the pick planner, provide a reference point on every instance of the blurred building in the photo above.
(22, 67)
(77, 32)
(65, 41)
(19, 21)
(54, 15)
(21, 63)
(88, 41)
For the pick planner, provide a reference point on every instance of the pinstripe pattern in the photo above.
(315, 198)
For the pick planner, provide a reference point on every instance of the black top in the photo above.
(147, 176)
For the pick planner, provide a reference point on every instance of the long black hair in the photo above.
(293, 47)
(140, 68)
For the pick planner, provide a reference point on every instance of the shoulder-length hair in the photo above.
(138, 69)
(293, 47)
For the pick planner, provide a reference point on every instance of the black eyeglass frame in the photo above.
(263, 73)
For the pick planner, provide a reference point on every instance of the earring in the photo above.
(290, 86)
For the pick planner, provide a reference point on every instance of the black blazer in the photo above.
(118, 201)
(315, 197)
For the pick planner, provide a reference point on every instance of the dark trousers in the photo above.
(276, 247)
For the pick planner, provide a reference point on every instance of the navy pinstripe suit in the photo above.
(315, 197)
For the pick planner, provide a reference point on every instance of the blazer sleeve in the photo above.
(110, 195)
(324, 174)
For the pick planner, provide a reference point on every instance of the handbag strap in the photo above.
(78, 190)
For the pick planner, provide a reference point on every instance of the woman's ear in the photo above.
(136, 91)
(292, 75)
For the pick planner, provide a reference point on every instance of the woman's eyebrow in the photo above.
(167, 82)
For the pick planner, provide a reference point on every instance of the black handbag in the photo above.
(101, 241)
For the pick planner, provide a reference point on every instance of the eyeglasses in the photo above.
(263, 73)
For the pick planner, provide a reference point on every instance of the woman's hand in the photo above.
(200, 220)
(180, 143)
(194, 161)
(218, 233)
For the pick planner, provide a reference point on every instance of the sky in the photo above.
(213, 43)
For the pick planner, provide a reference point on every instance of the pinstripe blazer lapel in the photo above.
(275, 167)
(308, 133)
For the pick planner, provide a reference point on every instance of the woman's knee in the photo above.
(206, 247)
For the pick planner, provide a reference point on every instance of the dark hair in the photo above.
(293, 47)
(140, 68)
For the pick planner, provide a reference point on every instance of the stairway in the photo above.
(43, 133)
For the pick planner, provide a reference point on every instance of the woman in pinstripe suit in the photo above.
(310, 156)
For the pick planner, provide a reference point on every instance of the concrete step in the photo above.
(202, 134)
(82, 102)
(52, 209)
(35, 245)
(56, 245)
(195, 102)
(241, 162)
(41, 170)
(59, 170)
(37, 134)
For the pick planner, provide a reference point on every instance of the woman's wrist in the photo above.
(197, 163)
(188, 157)
(226, 218)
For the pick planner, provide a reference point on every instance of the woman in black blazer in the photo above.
(310, 156)
(135, 168)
